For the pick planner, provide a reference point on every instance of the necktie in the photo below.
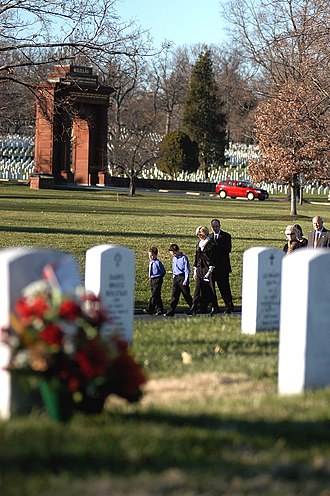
(316, 239)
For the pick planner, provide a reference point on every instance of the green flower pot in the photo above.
(57, 402)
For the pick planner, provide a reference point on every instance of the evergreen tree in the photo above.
(203, 117)
(177, 153)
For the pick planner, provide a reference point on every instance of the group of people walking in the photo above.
(318, 238)
(211, 268)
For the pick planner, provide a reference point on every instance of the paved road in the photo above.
(164, 192)
(139, 315)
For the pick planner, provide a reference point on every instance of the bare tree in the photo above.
(280, 36)
(235, 80)
(169, 80)
(132, 151)
(133, 144)
(17, 109)
(35, 35)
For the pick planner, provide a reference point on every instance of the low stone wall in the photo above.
(123, 182)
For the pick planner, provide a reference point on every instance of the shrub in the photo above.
(177, 153)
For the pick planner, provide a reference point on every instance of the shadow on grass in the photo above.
(49, 230)
(154, 441)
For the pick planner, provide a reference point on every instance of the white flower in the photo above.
(69, 346)
(21, 359)
(35, 288)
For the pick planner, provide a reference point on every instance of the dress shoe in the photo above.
(170, 313)
(214, 311)
(158, 313)
(191, 312)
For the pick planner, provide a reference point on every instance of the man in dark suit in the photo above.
(320, 237)
(222, 268)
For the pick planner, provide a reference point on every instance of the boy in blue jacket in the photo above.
(156, 276)
(181, 272)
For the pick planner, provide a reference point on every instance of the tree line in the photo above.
(268, 84)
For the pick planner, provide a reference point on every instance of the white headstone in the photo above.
(110, 274)
(18, 268)
(304, 351)
(261, 289)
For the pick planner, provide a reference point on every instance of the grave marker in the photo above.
(304, 351)
(19, 267)
(110, 274)
(261, 289)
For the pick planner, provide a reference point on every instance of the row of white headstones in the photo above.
(286, 293)
(291, 293)
(109, 274)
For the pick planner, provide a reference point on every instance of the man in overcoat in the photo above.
(222, 268)
(320, 236)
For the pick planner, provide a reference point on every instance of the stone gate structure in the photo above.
(71, 128)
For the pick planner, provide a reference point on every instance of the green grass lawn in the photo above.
(213, 426)
(74, 221)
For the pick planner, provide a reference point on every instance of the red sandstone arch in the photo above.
(71, 127)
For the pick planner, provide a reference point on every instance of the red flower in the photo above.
(74, 384)
(92, 360)
(69, 310)
(69, 374)
(127, 377)
(52, 334)
(35, 307)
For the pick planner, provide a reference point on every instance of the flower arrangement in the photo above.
(58, 338)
